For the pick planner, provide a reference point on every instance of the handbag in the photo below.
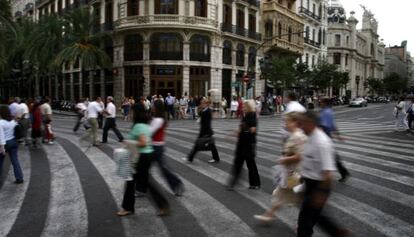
(204, 143)
(293, 180)
(122, 158)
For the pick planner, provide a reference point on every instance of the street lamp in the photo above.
(357, 82)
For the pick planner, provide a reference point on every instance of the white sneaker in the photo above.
(51, 143)
(186, 160)
(263, 218)
(212, 161)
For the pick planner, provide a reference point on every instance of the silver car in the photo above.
(358, 102)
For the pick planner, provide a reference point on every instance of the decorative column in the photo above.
(234, 13)
(142, 8)
(146, 71)
(246, 17)
(186, 80)
(233, 80)
(119, 85)
(216, 82)
(186, 51)
(146, 51)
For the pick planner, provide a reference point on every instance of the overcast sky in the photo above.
(394, 17)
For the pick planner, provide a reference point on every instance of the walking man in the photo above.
(93, 110)
(80, 111)
(170, 100)
(110, 123)
(205, 138)
(327, 123)
(46, 111)
(317, 166)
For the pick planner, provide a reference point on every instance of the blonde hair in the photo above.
(250, 106)
(294, 116)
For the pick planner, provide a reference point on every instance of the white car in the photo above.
(358, 102)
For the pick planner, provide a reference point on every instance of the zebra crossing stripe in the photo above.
(67, 213)
(12, 195)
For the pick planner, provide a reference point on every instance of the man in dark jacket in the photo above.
(205, 140)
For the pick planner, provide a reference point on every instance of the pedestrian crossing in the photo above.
(72, 189)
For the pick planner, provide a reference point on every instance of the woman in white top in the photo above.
(9, 143)
(234, 105)
(400, 115)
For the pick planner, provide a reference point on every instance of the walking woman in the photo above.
(283, 194)
(8, 143)
(36, 123)
(142, 135)
(157, 128)
(246, 147)
(126, 106)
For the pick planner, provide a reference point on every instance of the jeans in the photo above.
(110, 124)
(142, 179)
(11, 149)
(311, 210)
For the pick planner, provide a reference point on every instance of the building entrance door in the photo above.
(166, 79)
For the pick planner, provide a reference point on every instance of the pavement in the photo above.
(71, 189)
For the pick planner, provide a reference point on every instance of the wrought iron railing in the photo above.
(309, 13)
(154, 55)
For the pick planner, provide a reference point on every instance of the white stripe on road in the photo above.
(67, 212)
(12, 195)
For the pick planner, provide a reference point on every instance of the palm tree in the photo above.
(81, 44)
(7, 32)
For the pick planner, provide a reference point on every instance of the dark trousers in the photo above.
(11, 149)
(211, 147)
(340, 166)
(311, 211)
(142, 178)
(110, 124)
(173, 181)
(245, 153)
(100, 120)
(78, 122)
(410, 121)
(170, 111)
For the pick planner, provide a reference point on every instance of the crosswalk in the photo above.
(71, 189)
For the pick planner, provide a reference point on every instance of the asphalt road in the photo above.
(71, 190)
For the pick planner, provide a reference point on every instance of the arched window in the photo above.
(290, 34)
(133, 47)
(166, 46)
(227, 50)
(252, 56)
(166, 7)
(279, 30)
(200, 48)
(240, 55)
(200, 8)
(133, 7)
(269, 28)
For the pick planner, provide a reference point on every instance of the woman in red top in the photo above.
(36, 123)
(157, 127)
(240, 112)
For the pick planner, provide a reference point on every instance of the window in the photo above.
(290, 34)
(240, 55)
(347, 41)
(200, 8)
(337, 40)
(280, 2)
(279, 30)
(240, 18)
(227, 51)
(320, 36)
(133, 47)
(337, 58)
(133, 7)
(314, 8)
(252, 56)
(166, 46)
(307, 32)
(307, 59)
(166, 7)
(108, 12)
(67, 4)
(346, 59)
(313, 34)
(252, 23)
(313, 60)
(227, 15)
(200, 48)
(268, 29)
(323, 36)
(290, 6)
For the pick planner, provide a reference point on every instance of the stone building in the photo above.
(169, 46)
(314, 13)
(357, 51)
(398, 60)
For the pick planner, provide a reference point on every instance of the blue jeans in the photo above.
(11, 149)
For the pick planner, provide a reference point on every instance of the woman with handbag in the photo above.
(142, 135)
(401, 115)
(246, 147)
(288, 178)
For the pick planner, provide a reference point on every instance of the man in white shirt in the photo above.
(317, 165)
(14, 107)
(24, 120)
(80, 109)
(93, 111)
(110, 123)
(46, 112)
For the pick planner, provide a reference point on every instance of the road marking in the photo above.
(67, 213)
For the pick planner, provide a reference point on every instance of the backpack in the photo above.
(18, 132)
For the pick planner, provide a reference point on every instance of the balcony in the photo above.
(312, 43)
(165, 21)
(310, 14)
(241, 31)
(284, 44)
(274, 6)
(253, 3)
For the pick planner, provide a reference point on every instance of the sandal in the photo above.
(124, 213)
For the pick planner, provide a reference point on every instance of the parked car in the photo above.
(358, 102)
(383, 99)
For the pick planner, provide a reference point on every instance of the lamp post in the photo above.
(357, 83)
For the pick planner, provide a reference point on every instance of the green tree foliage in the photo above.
(374, 85)
(394, 83)
(280, 71)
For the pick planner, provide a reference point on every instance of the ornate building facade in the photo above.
(169, 46)
(22, 8)
(359, 52)
(314, 13)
